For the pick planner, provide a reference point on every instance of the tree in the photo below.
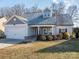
(15, 10)
(2, 12)
(18, 9)
(58, 7)
(72, 11)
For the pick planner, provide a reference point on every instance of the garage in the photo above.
(16, 28)
(15, 32)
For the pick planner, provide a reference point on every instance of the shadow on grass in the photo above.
(67, 46)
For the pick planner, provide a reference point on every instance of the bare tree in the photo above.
(15, 10)
(18, 9)
(72, 10)
(58, 7)
(2, 12)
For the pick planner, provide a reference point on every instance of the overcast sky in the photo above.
(39, 3)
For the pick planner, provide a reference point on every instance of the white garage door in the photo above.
(15, 32)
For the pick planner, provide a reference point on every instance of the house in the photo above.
(2, 21)
(18, 27)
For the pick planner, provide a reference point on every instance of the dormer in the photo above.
(46, 13)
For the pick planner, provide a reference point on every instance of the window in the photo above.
(59, 30)
(65, 30)
(48, 15)
(45, 31)
(62, 30)
(14, 19)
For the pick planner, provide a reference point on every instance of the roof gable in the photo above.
(16, 20)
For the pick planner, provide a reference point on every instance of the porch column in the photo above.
(52, 30)
(38, 30)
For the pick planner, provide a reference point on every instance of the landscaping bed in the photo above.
(60, 36)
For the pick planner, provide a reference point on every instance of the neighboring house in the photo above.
(45, 23)
(2, 21)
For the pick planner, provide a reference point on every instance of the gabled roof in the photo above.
(42, 21)
(22, 19)
(47, 9)
(62, 19)
(32, 15)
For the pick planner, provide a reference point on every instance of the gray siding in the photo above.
(17, 21)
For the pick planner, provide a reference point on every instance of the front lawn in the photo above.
(60, 49)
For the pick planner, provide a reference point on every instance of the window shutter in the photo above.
(66, 30)
(59, 30)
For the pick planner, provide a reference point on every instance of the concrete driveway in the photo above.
(8, 42)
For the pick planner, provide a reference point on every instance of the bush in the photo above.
(54, 37)
(75, 30)
(59, 36)
(38, 37)
(66, 35)
(49, 37)
(2, 35)
(72, 36)
(41, 37)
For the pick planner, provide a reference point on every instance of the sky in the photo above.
(38, 3)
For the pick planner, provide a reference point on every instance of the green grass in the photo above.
(61, 49)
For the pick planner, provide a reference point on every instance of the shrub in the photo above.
(41, 37)
(66, 35)
(54, 37)
(38, 37)
(2, 35)
(72, 36)
(60, 36)
(76, 30)
(49, 37)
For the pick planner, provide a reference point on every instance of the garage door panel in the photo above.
(16, 33)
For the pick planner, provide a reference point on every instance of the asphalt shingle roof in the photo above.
(62, 19)
(42, 21)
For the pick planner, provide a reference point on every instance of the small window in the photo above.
(14, 24)
(14, 19)
(59, 30)
(65, 30)
(48, 15)
(45, 15)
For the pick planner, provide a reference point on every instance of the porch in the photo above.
(35, 30)
(43, 30)
(49, 29)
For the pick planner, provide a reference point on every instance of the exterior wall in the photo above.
(69, 29)
(20, 31)
(55, 29)
(30, 31)
(16, 31)
(15, 20)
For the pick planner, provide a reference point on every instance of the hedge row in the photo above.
(55, 37)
